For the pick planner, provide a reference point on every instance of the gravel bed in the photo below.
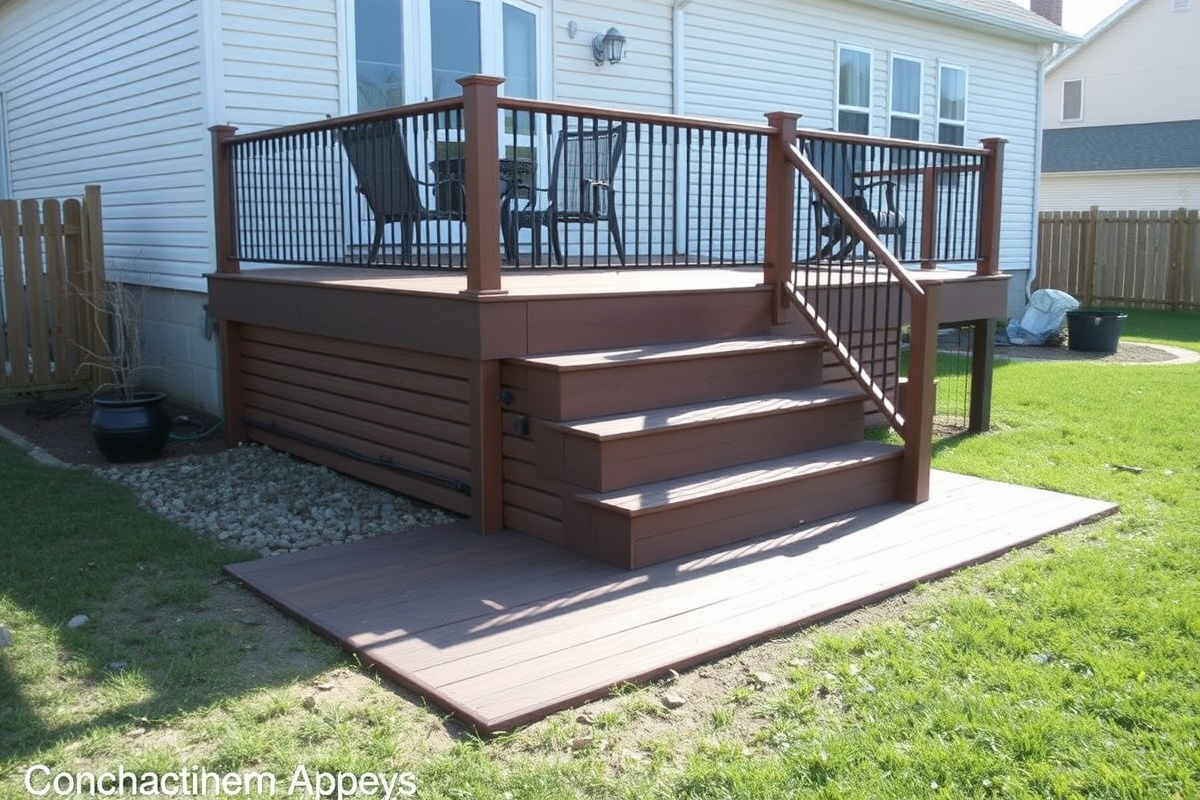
(253, 496)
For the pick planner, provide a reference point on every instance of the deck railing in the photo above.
(479, 183)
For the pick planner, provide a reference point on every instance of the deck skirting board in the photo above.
(505, 629)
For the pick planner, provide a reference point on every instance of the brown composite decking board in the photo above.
(507, 628)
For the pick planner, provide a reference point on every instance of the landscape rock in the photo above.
(5, 637)
(673, 701)
(77, 621)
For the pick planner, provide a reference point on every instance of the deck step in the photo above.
(657, 521)
(569, 386)
(616, 451)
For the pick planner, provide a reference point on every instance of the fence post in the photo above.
(481, 173)
(91, 235)
(224, 207)
(990, 202)
(1180, 233)
(780, 210)
(1090, 253)
(14, 295)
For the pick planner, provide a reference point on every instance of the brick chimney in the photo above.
(1050, 9)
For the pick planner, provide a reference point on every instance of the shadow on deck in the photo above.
(505, 629)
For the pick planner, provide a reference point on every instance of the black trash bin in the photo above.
(1094, 331)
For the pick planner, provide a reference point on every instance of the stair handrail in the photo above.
(914, 423)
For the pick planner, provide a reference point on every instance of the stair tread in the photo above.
(615, 426)
(592, 359)
(706, 485)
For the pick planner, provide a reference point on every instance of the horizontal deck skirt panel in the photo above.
(390, 479)
(369, 432)
(451, 410)
(381, 413)
(269, 420)
(358, 351)
(392, 375)
(541, 645)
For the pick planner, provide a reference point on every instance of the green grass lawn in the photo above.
(1067, 670)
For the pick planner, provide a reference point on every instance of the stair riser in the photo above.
(674, 531)
(571, 394)
(602, 466)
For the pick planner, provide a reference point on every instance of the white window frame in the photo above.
(892, 112)
(838, 106)
(961, 123)
(1181, 5)
(418, 76)
(1062, 109)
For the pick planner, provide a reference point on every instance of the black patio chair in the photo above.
(838, 162)
(378, 153)
(580, 191)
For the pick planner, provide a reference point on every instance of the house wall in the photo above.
(279, 62)
(1141, 69)
(1121, 191)
(755, 56)
(641, 82)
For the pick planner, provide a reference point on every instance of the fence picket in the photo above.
(47, 252)
(1147, 259)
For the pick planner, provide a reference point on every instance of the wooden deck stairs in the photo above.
(666, 450)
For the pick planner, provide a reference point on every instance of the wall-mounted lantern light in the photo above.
(609, 47)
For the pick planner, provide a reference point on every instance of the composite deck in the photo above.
(505, 629)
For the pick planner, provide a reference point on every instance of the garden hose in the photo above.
(194, 437)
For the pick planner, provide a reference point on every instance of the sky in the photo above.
(1080, 16)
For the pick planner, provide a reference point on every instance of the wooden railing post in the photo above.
(481, 173)
(990, 201)
(920, 397)
(780, 211)
(223, 203)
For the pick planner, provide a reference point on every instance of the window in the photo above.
(904, 106)
(406, 51)
(1072, 100)
(853, 90)
(454, 34)
(1182, 5)
(379, 56)
(952, 105)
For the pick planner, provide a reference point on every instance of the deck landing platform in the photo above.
(505, 629)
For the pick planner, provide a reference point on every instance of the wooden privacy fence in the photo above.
(1142, 259)
(51, 268)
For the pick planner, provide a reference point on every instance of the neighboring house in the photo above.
(1122, 114)
(123, 94)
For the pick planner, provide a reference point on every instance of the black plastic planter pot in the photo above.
(130, 428)
(1094, 331)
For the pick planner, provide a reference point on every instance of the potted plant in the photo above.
(129, 422)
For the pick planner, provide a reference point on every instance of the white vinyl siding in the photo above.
(5, 189)
(1121, 191)
(643, 79)
(119, 102)
(769, 55)
(280, 62)
(1142, 68)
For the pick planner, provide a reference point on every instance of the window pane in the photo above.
(1072, 102)
(906, 86)
(854, 79)
(953, 87)
(454, 36)
(951, 134)
(854, 122)
(905, 128)
(379, 60)
(520, 53)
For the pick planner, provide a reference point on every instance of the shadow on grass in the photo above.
(167, 633)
